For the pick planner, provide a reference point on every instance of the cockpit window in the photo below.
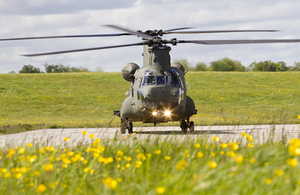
(171, 80)
(149, 80)
(160, 80)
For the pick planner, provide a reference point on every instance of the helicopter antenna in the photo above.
(186, 71)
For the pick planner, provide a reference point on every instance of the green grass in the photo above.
(89, 99)
(170, 166)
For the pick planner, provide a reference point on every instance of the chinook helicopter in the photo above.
(157, 92)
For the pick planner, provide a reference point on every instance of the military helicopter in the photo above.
(157, 92)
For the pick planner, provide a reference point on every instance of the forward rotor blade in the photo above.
(79, 50)
(175, 29)
(225, 42)
(139, 34)
(219, 31)
(64, 36)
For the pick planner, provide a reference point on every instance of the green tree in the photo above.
(268, 65)
(59, 68)
(29, 69)
(226, 64)
(201, 66)
(296, 66)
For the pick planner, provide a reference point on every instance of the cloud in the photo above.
(43, 7)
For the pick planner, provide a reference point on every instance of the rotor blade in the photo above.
(64, 36)
(139, 34)
(79, 50)
(175, 29)
(219, 31)
(223, 42)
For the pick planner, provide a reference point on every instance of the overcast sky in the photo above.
(21, 18)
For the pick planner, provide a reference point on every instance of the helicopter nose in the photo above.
(165, 94)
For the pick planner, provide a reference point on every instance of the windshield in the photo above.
(160, 80)
(149, 80)
(170, 80)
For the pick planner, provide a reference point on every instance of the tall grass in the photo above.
(158, 166)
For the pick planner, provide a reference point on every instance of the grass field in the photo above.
(89, 99)
(170, 166)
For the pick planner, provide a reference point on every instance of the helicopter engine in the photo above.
(129, 70)
(177, 65)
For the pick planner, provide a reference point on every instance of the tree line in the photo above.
(227, 64)
(54, 68)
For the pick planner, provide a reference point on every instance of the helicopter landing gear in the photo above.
(126, 125)
(123, 127)
(185, 125)
(130, 128)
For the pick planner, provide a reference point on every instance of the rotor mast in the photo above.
(157, 57)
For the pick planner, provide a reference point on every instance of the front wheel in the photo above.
(123, 127)
(130, 128)
(191, 127)
(184, 126)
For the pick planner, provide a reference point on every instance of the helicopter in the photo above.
(158, 90)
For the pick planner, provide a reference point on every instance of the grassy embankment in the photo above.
(89, 99)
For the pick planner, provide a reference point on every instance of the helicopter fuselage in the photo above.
(157, 91)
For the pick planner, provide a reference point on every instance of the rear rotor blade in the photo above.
(65, 36)
(139, 34)
(79, 50)
(219, 31)
(223, 42)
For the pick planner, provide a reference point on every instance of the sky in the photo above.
(23, 18)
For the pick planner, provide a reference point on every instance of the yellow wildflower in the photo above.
(120, 153)
(292, 162)
(86, 169)
(66, 139)
(160, 190)
(110, 183)
(200, 154)
(48, 167)
(29, 145)
(239, 159)
(7, 175)
(91, 136)
(18, 175)
(167, 157)
(84, 132)
(127, 165)
(41, 188)
(141, 156)
(233, 146)
(157, 151)
(249, 138)
(92, 171)
(138, 164)
(268, 181)
(197, 145)
(212, 164)
(252, 160)
(278, 173)
(243, 134)
(181, 164)
(224, 145)
(215, 138)
(70, 153)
